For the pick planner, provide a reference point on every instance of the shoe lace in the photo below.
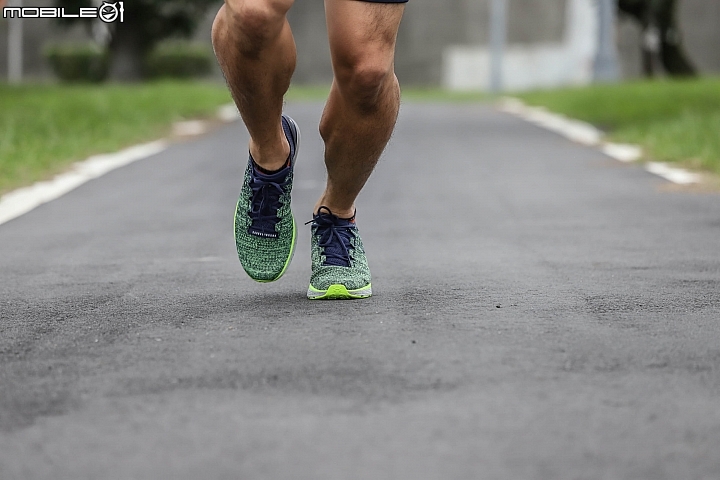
(265, 201)
(334, 237)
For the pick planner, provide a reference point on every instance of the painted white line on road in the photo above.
(189, 128)
(23, 200)
(587, 134)
(20, 201)
(228, 113)
(623, 152)
(575, 130)
(675, 175)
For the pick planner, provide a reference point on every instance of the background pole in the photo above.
(498, 35)
(15, 46)
(606, 59)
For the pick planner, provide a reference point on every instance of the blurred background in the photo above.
(446, 43)
(621, 65)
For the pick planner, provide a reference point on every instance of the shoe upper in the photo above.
(337, 253)
(268, 195)
(265, 230)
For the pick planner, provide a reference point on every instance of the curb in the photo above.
(587, 134)
(23, 200)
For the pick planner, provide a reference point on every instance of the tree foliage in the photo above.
(662, 41)
(146, 23)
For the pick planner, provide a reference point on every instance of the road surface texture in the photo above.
(540, 312)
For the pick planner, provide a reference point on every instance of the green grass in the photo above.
(47, 127)
(675, 121)
(316, 93)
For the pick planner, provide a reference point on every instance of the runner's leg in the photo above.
(256, 51)
(356, 125)
(364, 99)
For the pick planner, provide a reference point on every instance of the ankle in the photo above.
(271, 156)
(344, 213)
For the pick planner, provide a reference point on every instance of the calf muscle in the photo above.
(365, 97)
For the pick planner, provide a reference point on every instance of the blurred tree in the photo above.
(146, 23)
(662, 42)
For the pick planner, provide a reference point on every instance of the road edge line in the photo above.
(589, 135)
(23, 200)
(20, 201)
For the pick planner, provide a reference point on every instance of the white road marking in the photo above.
(575, 130)
(587, 134)
(189, 128)
(20, 201)
(675, 175)
(623, 152)
(228, 113)
(23, 200)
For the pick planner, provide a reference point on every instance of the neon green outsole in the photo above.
(338, 292)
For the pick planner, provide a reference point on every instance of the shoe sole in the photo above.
(339, 292)
(296, 137)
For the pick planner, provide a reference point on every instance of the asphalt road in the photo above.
(540, 312)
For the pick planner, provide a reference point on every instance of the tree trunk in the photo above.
(127, 51)
(650, 47)
(661, 40)
(672, 53)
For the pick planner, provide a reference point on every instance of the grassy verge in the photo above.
(44, 128)
(676, 121)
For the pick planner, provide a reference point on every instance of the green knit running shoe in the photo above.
(265, 229)
(339, 267)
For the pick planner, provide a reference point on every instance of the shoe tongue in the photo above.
(262, 225)
(334, 257)
(288, 133)
(334, 254)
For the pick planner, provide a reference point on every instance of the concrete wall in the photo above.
(432, 27)
(429, 29)
(700, 21)
(531, 61)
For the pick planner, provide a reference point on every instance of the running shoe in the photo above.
(339, 267)
(265, 230)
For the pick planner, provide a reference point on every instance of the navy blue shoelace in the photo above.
(266, 193)
(265, 202)
(335, 237)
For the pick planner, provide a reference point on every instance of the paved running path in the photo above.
(540, 312)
